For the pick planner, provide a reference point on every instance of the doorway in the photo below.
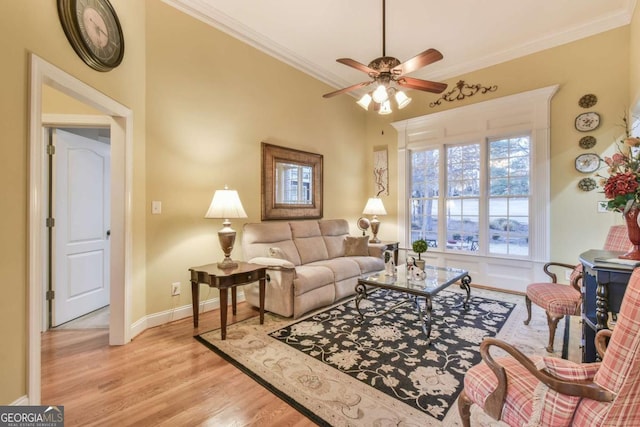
(119, 119)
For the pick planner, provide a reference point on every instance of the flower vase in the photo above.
(633, 230)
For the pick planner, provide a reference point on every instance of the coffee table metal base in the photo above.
(425, 316)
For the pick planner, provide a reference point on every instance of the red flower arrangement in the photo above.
(622, 186)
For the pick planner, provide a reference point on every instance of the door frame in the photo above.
(51, 122)
(120, 121)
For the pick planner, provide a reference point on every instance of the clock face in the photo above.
(587, 121)
(94, 31)
(587, 163)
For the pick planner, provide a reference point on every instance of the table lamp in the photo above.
(224, 205)
(374, 207)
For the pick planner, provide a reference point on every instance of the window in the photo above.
(476, 185)
(503, 207)
(509, 169)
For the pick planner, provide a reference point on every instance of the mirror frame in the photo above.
(271, 154)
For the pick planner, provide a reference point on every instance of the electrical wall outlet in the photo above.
(175, 288)
(567, 274)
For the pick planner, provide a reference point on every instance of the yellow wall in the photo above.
(634, 63)
(211, 101)
(203, 102)
(598, 65)
(32, 26)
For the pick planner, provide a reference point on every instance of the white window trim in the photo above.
(524, 112)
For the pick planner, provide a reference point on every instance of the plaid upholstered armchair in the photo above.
(548, 391)
(559, 300)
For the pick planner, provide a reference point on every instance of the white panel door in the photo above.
(81, 232)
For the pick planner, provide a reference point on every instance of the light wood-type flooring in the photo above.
(163, 377)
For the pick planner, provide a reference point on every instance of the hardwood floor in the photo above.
(163, 377)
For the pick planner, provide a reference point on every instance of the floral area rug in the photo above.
(382, 371)
(391, 352)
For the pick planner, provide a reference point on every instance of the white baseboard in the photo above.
(177, 313)
(22, 401)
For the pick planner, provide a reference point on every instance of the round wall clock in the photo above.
(587, 121)
(93, 29)
(587, 163)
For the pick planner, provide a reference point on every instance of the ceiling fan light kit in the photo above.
(387, 72)
(402, 99)
(385, 108)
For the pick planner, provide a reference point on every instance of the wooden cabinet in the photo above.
(603, 287)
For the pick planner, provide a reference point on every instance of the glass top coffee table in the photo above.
(437, 279)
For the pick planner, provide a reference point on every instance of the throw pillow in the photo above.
(356, 246)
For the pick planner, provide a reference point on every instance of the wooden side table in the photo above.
(223, 279)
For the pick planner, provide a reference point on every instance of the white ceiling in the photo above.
(471, 34)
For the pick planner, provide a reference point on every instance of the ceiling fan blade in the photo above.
(346, 89)
(358, 66)
(424, 85)
(427, 57)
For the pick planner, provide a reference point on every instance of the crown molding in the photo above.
(207, 13)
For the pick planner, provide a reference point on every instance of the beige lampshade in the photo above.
(374, 206)
(226, 204)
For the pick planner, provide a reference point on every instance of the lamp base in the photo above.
(227, 263)
(375, 226)
(227, 238)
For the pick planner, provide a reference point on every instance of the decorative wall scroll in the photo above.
(381, 170)
(462, 91)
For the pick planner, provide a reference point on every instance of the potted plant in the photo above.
(419, 246)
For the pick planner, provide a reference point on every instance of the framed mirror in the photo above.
(291, 183)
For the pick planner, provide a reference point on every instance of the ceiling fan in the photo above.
(386, 71)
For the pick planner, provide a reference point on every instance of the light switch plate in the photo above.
(602, 206)
(156, 207)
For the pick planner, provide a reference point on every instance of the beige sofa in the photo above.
(313, 263)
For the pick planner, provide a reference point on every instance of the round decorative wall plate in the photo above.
(588, 101)
(587, 121)
(587, 142)
(587, 163)
(587, 184)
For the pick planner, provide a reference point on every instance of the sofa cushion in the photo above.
(356, 246)
(308, 241)
(257, 238)
(342, 268)
(333, 232)
(368, 264)
(311, 277)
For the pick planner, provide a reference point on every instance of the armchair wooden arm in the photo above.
(554, 277)
(601, 341)
(495, 401)
(551, 274)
